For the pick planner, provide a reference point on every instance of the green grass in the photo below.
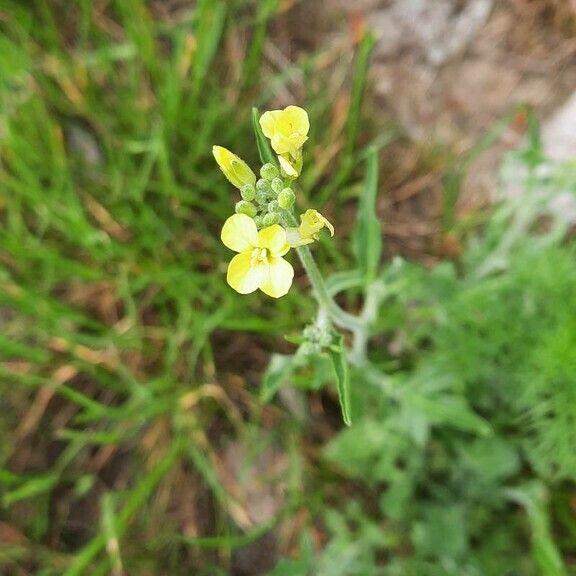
(117, 324)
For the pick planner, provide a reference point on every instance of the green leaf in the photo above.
(278, 371)
(449, 410)
(33, 487)
(534, 497)
(368, 239)
(337, 354)
(264, 150)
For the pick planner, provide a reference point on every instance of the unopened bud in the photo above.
(233, 167)
(269, 171)
(273, 206)
(244, 207)
(270, 219)
(286, 198)
(277, 184)
(262, 197)
(248, 192)
(263, 186)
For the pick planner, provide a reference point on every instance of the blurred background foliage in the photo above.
(136, 436)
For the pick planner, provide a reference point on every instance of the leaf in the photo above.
(368, 239)
(534, 498)
(264, 150)
(337, 354)
(36, 485)
(450, 410)
(278, 371)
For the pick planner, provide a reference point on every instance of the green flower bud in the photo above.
(262, 197)
(269, 171)
(248, 192)
(244, 207)
(277, 184)
(270, 219)
(273, 206)
(258, 220)
(233, 167)
(263, 186)
(286, 198)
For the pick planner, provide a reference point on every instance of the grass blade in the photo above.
(368, 239)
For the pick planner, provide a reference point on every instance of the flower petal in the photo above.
(278, 278)
(243, 276)
(294, 238)
(328, 225)
(298, 119)
(274, 239)
(239, 233)
(287, 167)
(268, 122)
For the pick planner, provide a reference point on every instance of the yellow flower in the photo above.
(233, 167)
(287, 129)
(259, 263)
(311, 222)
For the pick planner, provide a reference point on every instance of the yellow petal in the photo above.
(239, 233)
(274, 239)
(233, 167)
(294, 239)
(328, 225)
(278, 278)
(297, 119)
(268, 122)
(312, 222)
(243, 276)
(289, 170)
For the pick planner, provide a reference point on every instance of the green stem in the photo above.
(337, 315)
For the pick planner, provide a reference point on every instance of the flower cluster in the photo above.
(258, 230)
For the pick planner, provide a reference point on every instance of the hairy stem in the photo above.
(336, 314)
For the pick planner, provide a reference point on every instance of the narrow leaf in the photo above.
(337, 354)
(264, 150)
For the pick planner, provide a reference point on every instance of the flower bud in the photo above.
(273, 206)
(244, 207)
(233, 167)
(269, 171)
(286, 198)
(263, 186)
(270, 219)
(262, 197)
(258, 220)
(277, 184)
(248, 192)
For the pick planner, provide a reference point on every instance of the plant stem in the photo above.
(336, 314)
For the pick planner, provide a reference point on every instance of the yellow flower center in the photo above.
(259, 256)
